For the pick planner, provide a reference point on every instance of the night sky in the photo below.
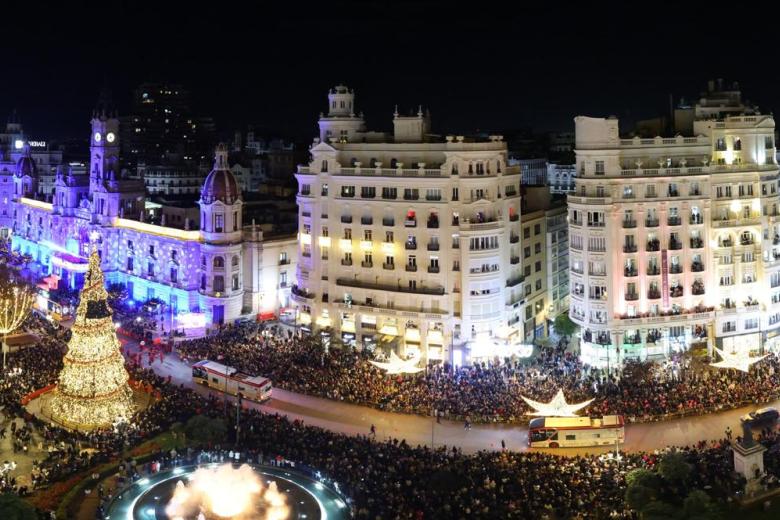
(483, 68)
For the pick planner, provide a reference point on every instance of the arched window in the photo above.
(219, 262)
(324, 166)
(203, 282)
(393, 163)
(219, 284)
(234, 261)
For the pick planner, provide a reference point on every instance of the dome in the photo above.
(25, 166)
(220, 184)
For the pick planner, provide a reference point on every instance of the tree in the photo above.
(657, 510)
(15, 305)
(699, 506)
(639, 497)
(205, 430)
(674, 468)
(563, 325)
(642, 477)
(14, 508)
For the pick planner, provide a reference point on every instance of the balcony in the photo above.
(348, 194)
(629, 248)
(697, 243)
(596, 224)
(284, 261)
(630, 297)
(653, 270)
(433, 223)
(433, 246)
(651, 222)
(388, 267)
(674, 221)
(346, 219)
(366, 264)
(696, 219)
(433, 198)
(676, 292)
(388, 222)
(653, 294)
(628, 224)
(433, 268)
(411, 268)
(675, 269)
(455, 221)
(697, 267)
(410, 245)
(366, 221)
(514, 239)
(410, 222)
(726, 243)
(654, 245)
(630, 272)
(301, 293)
(412, 196)
(349, 282)
(697, 289)
(674, 245)
(514, 260)
(746, 241)
(514, 218)
(346, 262)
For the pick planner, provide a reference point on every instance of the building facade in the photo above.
(217, 269)
(407, 240)
(675, 241)
(561, 178)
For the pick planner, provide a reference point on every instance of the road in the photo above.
(357, 420)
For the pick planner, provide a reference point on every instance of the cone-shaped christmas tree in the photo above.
(92, 390)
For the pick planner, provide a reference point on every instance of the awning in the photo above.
(412, 335)
(389, 330)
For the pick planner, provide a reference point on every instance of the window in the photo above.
(527, 270)
(650, 191)
(538, 248)
(219, 284)
(599, 167)
(234, 261)
(174, 275)
(347, 191)
(389, 193)
(235, 282)
(538, 266)
(720, 144)
(455, 193)
(347, 233)
(538, 284)
(130, 245)
(235, 221)
(527, 252)
(368, 192)
(537, 229)
(218, 262)
(219, 222)
(324, 191)
(130, 264)
(283, 256)
(150, 269)
(527, 232)
(769, 142)
(151, 250)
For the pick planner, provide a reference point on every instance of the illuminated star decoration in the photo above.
(738, 360)
(397, 365)
(558, 407)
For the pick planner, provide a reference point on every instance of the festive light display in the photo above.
(15, 304)
(738, 360)
(93, 390)
(558, 407)
(397, 365)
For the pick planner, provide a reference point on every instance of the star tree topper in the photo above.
(558, 407)
(738, 360)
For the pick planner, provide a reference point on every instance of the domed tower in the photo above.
(220, 203)
(26, 175)
(341, 123)
(104, 143)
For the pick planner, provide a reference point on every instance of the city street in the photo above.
(355, 420)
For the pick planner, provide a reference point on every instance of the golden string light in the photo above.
(15, 304)
(93, 389)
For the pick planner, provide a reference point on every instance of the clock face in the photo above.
(110, 137)
(98, 137)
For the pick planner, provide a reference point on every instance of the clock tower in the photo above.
(104, 146)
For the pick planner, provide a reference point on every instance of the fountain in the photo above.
(227, 492)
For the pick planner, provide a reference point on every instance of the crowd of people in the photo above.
(390, 478)
(485, 392)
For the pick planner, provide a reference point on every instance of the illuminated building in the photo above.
(92, 389)
(216, 265)
(407, 239)
(676, 240)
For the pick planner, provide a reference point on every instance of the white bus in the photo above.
(564, 432)
(228, 379)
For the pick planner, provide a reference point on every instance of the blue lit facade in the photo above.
(222, 269)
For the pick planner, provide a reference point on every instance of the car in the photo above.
(761, 416)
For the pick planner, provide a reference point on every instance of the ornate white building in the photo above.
(409, 239)
(222, 269)
(676, 240)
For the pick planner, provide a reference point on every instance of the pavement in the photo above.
(354, 419)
